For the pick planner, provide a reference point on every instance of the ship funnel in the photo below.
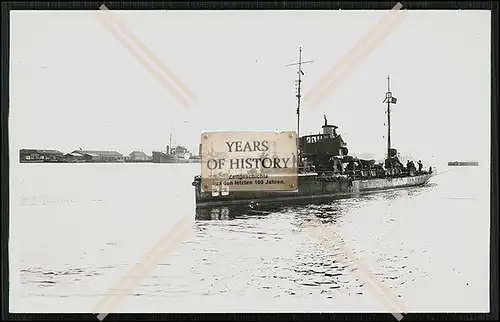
(330, 130)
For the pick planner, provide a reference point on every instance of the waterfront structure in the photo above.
(40, 155)
(100, 156)
(138, 156)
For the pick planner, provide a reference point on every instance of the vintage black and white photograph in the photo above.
(202, 161)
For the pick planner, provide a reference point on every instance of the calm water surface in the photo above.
(79, 229)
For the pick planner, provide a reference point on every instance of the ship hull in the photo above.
(311, 187)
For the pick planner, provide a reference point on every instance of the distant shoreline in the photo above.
(91, 156)
(100, 162)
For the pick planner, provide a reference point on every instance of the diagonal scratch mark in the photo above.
(370, 40)
(361, 42)
(143, 268)
(346, 69)
(359, 45)
(148, 52)
(383, 293)
(143, 61)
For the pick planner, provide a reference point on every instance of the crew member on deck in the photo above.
(412, 167)
(420, 166)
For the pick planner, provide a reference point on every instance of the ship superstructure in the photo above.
(326, 170)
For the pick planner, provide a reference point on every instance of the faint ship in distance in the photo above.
(178, 154)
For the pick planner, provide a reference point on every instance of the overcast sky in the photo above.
(73, 84)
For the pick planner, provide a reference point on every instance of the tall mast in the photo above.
(170, 140)
(299, 84)
(390, 99)
(388, 115)
(299, 72)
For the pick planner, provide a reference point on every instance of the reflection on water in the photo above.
(324, 208)
(307, 268)
(93, 237)
(47, 278)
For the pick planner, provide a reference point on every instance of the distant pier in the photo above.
(463, 163)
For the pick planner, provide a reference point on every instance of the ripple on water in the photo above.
(47, 278)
